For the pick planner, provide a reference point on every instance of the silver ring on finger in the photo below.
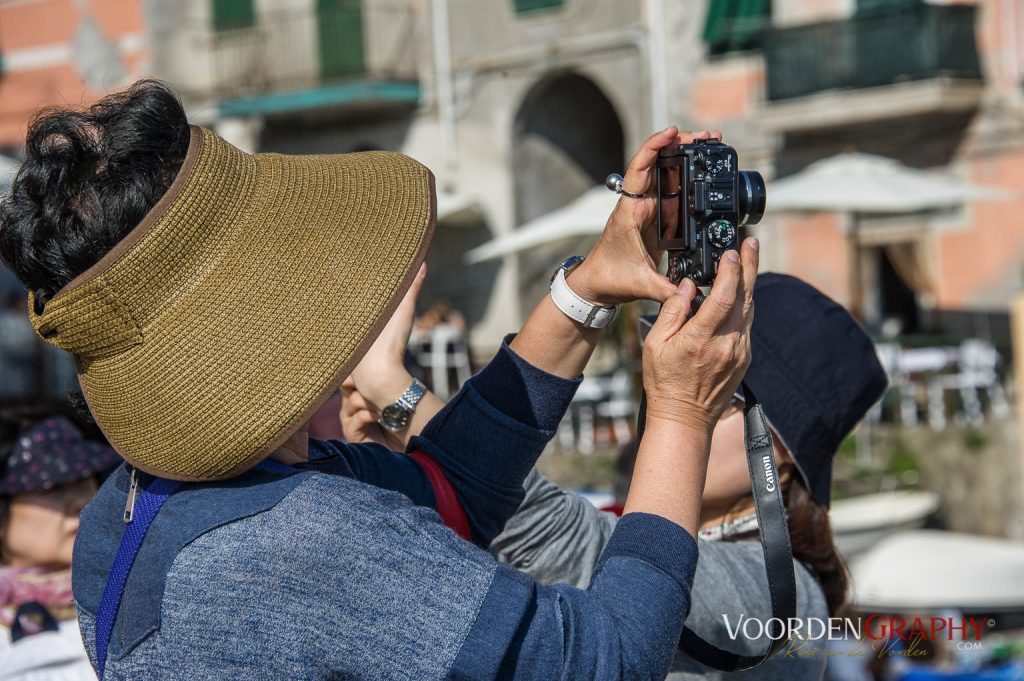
(614, 183)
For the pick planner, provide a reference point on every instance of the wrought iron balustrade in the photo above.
(871, 50)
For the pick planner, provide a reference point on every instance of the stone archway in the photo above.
(567, 137)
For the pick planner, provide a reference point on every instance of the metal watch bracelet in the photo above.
(398, 414)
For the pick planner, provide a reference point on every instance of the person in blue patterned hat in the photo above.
(49, 471)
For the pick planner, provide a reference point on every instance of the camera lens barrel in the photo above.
(752, 198)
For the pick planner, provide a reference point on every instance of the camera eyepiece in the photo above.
(752, 197)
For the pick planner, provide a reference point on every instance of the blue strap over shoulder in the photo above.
(147, 505)
(139, 517)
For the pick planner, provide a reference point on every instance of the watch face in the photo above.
(567, 264)
(394, 417)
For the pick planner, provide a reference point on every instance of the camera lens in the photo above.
(752, 197)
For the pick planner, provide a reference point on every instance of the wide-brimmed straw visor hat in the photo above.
(218, 325)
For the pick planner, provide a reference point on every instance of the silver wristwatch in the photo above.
(396, 416)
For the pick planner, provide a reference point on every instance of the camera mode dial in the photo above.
(721, 234)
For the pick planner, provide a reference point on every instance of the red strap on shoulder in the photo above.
(448, 506)
(617, 509)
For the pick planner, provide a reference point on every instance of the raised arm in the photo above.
(556, 536)
(488, 438)
(627, 623)
(621, 267)
(382, 375)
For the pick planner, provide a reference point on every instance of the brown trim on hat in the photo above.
(147, 222)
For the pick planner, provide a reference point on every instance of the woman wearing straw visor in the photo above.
(214, 299)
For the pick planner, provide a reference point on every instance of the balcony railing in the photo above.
(294, 50)
(872, 50)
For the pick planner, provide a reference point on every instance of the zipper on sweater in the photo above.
(129, 506)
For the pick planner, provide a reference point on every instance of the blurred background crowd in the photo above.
(891, 133)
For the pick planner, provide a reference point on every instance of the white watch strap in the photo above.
(574, 307)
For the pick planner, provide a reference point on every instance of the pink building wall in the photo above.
(37, 41)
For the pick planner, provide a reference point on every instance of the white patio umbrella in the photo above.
(586, 215)
(933, 570)
(864, 183)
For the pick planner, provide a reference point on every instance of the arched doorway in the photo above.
(567, 138)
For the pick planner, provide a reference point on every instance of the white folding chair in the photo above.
(977, 363)
(447, 351)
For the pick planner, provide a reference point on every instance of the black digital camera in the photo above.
(703, 201)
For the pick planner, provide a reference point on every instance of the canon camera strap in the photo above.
(771, 522)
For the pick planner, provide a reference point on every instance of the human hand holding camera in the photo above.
(693, 366)
(623, 265)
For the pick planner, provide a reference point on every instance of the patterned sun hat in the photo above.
(51, 453)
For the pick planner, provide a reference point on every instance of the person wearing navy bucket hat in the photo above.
(49, 471)
(816, 374)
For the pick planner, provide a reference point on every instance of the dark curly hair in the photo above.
(87, 179)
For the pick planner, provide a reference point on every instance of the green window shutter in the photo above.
(719, 12)
(232, 14)
(752, 16)
(734, 25)
(340, 32)
(523, 6)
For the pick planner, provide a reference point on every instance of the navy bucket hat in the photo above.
(814, 370)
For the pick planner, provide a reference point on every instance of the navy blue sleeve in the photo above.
(625, 626)
(488, 437)
(375, 465)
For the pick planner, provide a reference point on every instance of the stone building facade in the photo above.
(522, 105)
